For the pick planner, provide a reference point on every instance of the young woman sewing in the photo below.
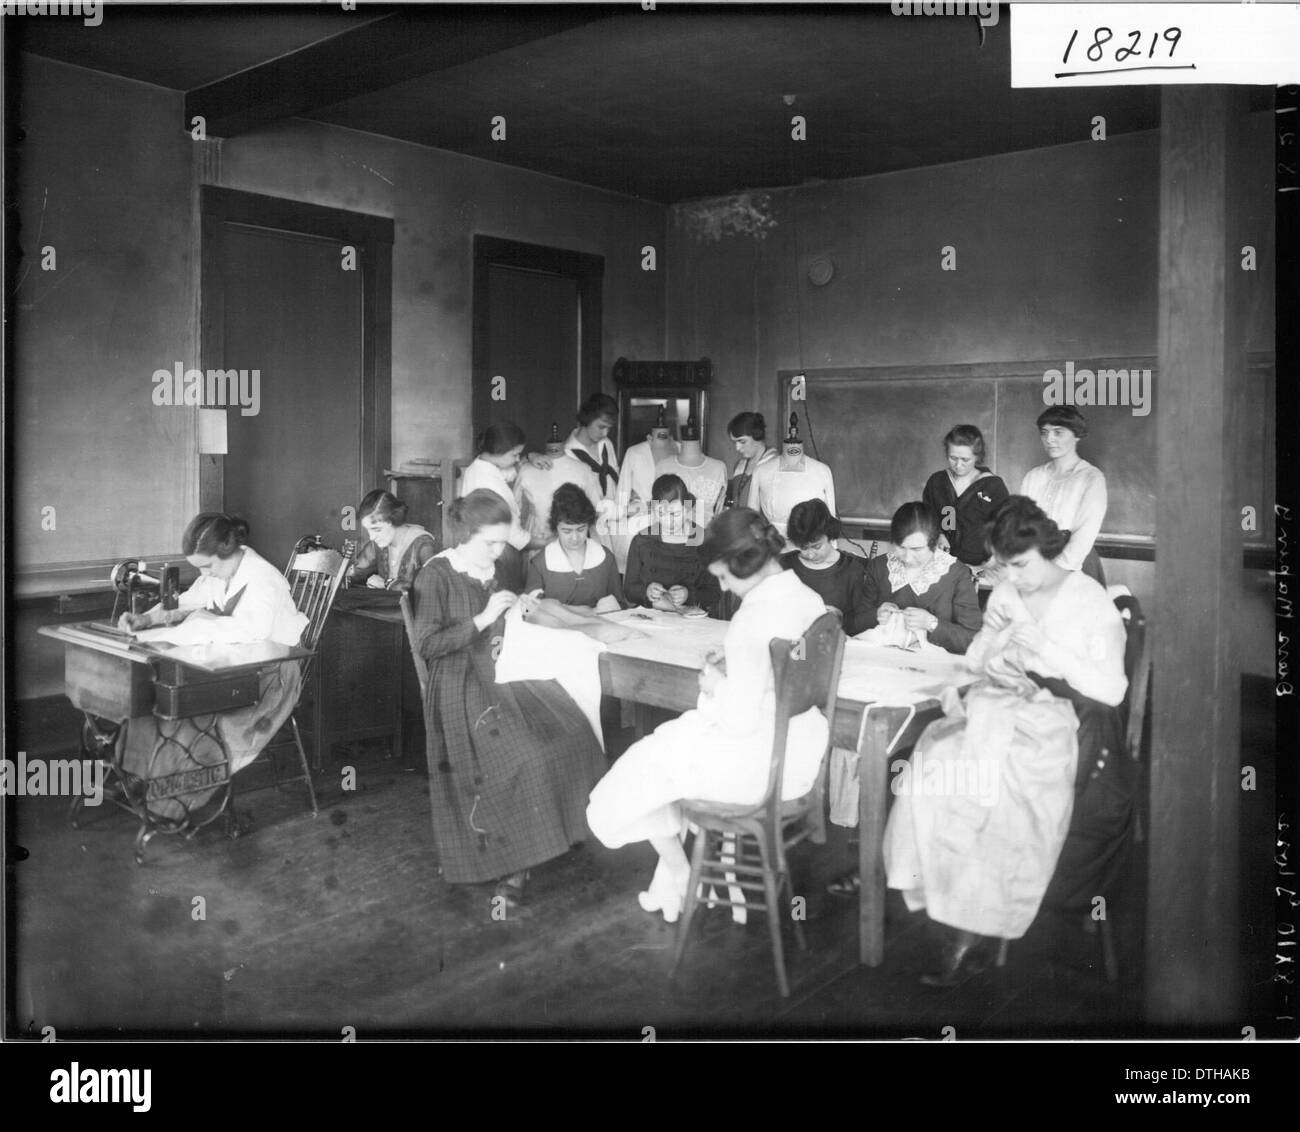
(395, 550)
(1043, 722)
(239, 598)
(722, 749)
(665, 567)
(510, 765)
(837, 578)
(573, 568)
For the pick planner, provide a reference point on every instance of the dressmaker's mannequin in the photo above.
(790, 479)
(704, 477)
(537, 487)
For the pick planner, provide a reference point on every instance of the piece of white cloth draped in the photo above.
(538, 652)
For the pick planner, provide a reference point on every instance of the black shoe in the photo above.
(964, 956)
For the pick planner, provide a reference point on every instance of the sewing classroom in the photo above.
(690, 520)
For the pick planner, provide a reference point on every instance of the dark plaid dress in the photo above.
(510, 765)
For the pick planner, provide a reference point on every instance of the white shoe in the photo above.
(664, 895)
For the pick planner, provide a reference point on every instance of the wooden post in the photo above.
(1193, 919)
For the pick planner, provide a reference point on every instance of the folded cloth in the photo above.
(844, 787)
(537, 652)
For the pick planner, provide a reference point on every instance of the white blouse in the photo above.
(1076, 502)
(484, 474)
(254, 605)
(1083, 631)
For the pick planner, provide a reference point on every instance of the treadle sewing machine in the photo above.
(113, 677)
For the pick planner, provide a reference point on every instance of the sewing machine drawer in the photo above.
(181, 692)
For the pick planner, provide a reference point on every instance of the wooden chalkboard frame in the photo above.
(1132, 543)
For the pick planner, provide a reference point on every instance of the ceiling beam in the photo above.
(371, 56)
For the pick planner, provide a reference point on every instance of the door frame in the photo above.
(589, 272)
(372, 236)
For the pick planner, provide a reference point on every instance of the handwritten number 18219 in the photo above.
(1102, 36)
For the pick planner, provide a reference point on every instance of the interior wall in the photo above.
(103, 179)
(1056, 257)
(108, 178)
(438, 201)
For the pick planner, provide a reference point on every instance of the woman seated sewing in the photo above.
(837, 578)
(919, 589)
(964, 495)
(665, 567)
(1038, 747)
(239, 598)
(395, 550)
(510, 765)
(573, 568)
(722, 749)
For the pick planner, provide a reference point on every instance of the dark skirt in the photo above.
(1102, 823)
(521, 798)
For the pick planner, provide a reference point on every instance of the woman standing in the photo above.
(980, 860)
(748, 432)
(924, 586)
(964, 495)
(495, 469)
(1071, 490)
(722, 749)
(510, 765)
(396, 549)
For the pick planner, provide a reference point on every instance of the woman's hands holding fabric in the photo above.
(887, 609)
(497, 604)
(678, 595)
(919, 620)
(375, 582)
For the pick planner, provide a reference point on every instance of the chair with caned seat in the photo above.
(314, 573)
(807, 674)
(1132, 710)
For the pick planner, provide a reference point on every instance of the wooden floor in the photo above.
(309, 925)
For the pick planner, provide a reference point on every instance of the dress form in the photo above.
(704, 477)
(791, 479)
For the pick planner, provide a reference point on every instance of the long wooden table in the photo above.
(879, 689)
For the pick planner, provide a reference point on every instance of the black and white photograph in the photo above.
(651, 522)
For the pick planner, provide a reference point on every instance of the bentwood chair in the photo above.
(314, 573)
(1132, 711)
(807, 675)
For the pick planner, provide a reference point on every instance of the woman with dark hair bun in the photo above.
(837, 578)
(510, 765)
(239, 598)
(748, 432)
(665, 567)
(395, 550)
(1037, 754)
(964, 495)
(722, 749)
(923, 586)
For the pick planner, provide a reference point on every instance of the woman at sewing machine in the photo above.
(510, 765)
(239, 598)
(917, 591)
(574, 568)
(396, 549)
(722, 749)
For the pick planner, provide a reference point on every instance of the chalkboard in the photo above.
(881, 431)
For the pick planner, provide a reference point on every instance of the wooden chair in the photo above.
(1137, 667)
(314, 573)
(807, 675)
(421, 665)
